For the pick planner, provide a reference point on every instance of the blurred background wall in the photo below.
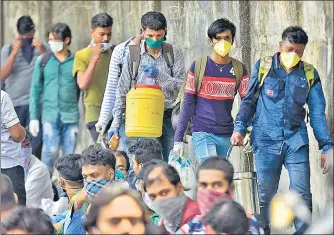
(259, 28)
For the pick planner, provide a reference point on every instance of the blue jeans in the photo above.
(209, 145)
(56, 135)
(269, 167)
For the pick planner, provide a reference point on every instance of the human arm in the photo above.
(35, 91)
(83, 72)
(10, 120)
(8, 58)
(317, 106)
(247, 109)
(112, 82)
(188, 105)
(173, 83)
(123, 88)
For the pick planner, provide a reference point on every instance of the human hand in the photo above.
(16, 46)
(178, 148)
(34, 127)
(150, 71)
(237, 139)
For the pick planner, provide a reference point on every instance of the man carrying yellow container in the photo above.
(158, 63)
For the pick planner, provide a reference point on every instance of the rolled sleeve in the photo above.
(8, 115)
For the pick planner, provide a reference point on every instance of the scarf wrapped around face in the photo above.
(93, 187)
(207, 198)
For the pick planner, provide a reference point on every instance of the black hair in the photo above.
(122, 153)
(25, 25)
(96, 155)
(106, 196)
(220, 164)
(33, 220)
(219, 26)
(223, 215)
(69, 167)
(101, 20)
(169, 171)
(154, 20)
(295, 34)
(145, 150)
(61, 31)
(7, 193)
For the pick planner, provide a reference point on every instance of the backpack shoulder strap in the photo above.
(200, 65)
(168, 54)
(44, 61)
(134, 51)
(265, 66)
(309, 73)
(238, 71)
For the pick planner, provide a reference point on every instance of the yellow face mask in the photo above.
(289, 59)
(222, 47)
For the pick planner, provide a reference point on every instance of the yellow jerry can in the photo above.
(144, 111)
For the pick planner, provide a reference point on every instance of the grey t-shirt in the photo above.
(18, 83)
(10, 150)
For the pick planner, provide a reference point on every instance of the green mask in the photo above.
(154, 44)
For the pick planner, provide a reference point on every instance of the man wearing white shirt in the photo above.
(38, 184)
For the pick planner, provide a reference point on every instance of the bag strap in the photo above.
(200, 65)
(309, 73)
(264, 69)
(238, 71)
(168, 54)
(135, 61)
(44, 61)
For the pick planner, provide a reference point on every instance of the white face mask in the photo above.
(56, 46)
(105, 45)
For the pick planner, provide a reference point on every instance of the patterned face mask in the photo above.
(93, 187)
(207, 197)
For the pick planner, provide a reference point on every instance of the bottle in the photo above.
(113, 143)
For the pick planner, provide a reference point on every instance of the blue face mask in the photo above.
(119, 175)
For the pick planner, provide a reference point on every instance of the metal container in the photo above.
(246, 193)
(245, 182)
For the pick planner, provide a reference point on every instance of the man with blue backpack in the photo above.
(280, 87)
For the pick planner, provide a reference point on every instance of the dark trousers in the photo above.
(16, 175)
(36, 142)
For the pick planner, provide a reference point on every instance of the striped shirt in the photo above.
(170, 86)
(10, 149)
(118, 59)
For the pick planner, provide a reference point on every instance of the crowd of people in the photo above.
(133, 190)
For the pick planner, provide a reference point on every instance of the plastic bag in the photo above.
(186, 170)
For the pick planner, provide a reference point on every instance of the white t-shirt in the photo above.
(37, 183)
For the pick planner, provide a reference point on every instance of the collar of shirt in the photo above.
(144, 51)
(69, 57)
